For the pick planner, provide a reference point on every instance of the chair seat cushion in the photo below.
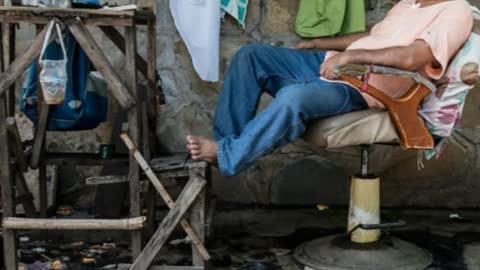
(355, 128)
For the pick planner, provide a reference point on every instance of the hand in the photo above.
(327, 69)
(305, 44)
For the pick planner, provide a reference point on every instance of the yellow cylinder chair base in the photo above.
(364, 208)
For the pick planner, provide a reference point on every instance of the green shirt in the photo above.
(320, 18)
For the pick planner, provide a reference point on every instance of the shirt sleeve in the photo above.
(445, 35)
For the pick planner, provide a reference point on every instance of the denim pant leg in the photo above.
(284, 120)
(258, 68)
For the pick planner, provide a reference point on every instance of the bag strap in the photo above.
(51, 24)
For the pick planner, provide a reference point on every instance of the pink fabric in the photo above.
(444, 27)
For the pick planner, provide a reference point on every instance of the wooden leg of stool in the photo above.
(42, 190)
(150, 199)
(8, 195)
(198, 218)
(22, 190)
(184, 201)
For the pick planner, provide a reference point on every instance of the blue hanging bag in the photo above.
(85, 103)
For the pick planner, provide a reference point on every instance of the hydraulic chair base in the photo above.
(339, 253)
(363, 247)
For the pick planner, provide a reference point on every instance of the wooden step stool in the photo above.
(193, 197)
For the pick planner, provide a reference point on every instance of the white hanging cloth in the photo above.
(198, 22)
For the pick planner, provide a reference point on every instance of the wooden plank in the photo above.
(8, 195)
(42, 190)
(22, 189)
(145, 131)
(152, 71)
(53, 187)
(83, 159)
(17, 67)
(127, 224)
(106, 179)
(8, 56)
(198, 218)
(193, 188)
(108, 22)
(9, 237)
(176, 162)
(12, 99)
(40, 133)
(134, 130)
(173, 174)
(96, 56)
(41, 125)
(210, 214)
(16, 144)
(150, 201)
(167, 163)
(74, 12)
(87, 21)
(153, 78)
(6, 174)
(196, 241)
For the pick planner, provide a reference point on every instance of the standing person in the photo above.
(416, 35)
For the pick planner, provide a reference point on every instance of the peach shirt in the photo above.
(444, 27)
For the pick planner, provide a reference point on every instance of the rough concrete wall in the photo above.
(299, 174)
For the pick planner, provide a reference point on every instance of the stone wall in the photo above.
(297, 173)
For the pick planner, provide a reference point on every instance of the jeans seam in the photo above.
(220, 156)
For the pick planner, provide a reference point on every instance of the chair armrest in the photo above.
(402, 110)
(361, 70)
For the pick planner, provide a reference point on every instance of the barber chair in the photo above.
(364, 247)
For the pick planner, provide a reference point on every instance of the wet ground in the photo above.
(263, 239)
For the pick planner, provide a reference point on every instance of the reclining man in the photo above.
(416, 35)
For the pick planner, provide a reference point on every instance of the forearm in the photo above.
(397, 57)
(337, 43)
(412, 57)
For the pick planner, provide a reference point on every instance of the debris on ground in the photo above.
(41, 255)
(176, 242)
(23, 239)
(322, 207)
(87, 260)
(65, 210)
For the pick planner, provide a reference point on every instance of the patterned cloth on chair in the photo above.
(442, 110)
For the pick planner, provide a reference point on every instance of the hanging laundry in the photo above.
(237, 9)
(320, 18)
(198, 22)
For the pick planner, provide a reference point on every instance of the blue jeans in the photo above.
(292, 78)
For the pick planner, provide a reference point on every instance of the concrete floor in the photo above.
(260, 238)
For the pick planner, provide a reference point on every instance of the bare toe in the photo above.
(192, 139)
(193, 147)
(202, 148)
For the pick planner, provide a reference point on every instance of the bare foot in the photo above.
(202, 149)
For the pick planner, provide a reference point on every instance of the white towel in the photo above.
(198, 22)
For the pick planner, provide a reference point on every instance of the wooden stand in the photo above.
(124, 90)
(192, 195)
